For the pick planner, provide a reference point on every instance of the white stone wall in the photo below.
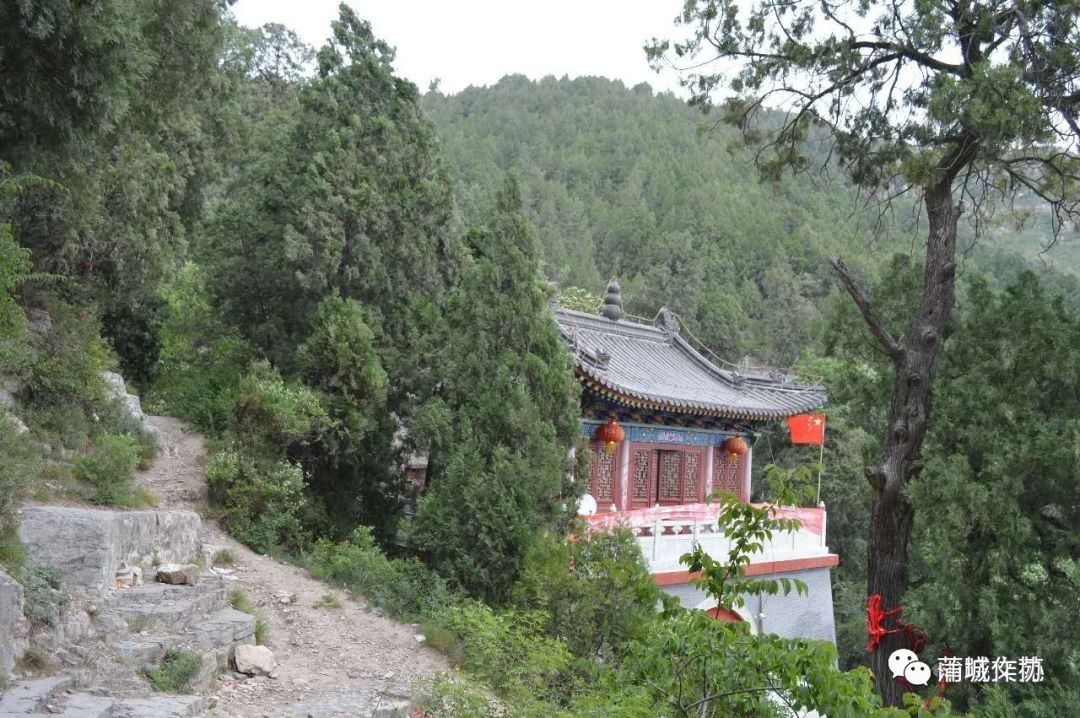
(790, 616)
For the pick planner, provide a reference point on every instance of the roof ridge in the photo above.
(625, 327)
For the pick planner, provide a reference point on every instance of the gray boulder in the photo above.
(254, 660)
(178, 574)
(117, 388)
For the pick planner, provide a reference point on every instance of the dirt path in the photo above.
(331, 661)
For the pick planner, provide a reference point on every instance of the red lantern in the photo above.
(734, 447)
(611, 434)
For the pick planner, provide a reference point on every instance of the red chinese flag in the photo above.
(807, 428)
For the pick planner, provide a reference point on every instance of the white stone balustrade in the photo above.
(667, 533)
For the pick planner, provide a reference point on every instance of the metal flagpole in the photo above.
(821, 459)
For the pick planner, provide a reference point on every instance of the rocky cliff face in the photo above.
(14, 630)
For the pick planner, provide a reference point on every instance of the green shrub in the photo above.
(43, 595)
(404, 588)
(110, 469)
(176, 672)
(329, 600)
(12, 552)
(240, 602)
(461, 698)
(271, 413)
(223, 557)
(509, 650)
(69, 359)
(597, 589)
(260, 499)
(20, 463)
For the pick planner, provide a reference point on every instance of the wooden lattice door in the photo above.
(602, 477)
(727, 472)
(642, 485)
(668, 477)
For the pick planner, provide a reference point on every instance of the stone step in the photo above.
(222, 629)
(27, 696)
(161, 707)
(86, 705)
(158, 608)
(152, 592)
(143, 650)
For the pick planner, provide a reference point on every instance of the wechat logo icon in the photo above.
(905, 664)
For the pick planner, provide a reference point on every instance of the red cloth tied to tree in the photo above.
(876, 616)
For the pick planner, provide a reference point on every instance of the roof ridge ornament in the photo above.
(669, 323)
(612, 308)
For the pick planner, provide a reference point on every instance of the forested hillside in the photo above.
(327, 272)
(624, 181)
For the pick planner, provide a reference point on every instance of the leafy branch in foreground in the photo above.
(749, 528)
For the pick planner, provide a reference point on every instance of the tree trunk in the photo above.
(909, 417)
(913, 358)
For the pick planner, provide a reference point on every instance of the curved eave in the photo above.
(640, 401)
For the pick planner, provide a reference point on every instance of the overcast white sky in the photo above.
(475, 42)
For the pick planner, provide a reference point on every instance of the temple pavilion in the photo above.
(682, 428)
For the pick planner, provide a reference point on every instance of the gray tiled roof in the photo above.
(655, 368)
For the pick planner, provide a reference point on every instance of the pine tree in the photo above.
(509, 403)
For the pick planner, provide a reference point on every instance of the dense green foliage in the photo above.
(333, 232)
(508, 400)
(963, 107)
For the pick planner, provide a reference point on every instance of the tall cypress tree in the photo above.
(509, 404)
(352, 202)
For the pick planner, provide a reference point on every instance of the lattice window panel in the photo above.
(641, 476)
(670, 482)
(603, 476)
(726, 472)
(691, 477)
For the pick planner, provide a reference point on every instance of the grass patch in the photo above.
(176, 672)
(239, 601)
(224, 557)
(143, 498)
(12, 551)
(43, 595)
(262, 630)
(32, 662)
(148, 450)
(328, 600)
